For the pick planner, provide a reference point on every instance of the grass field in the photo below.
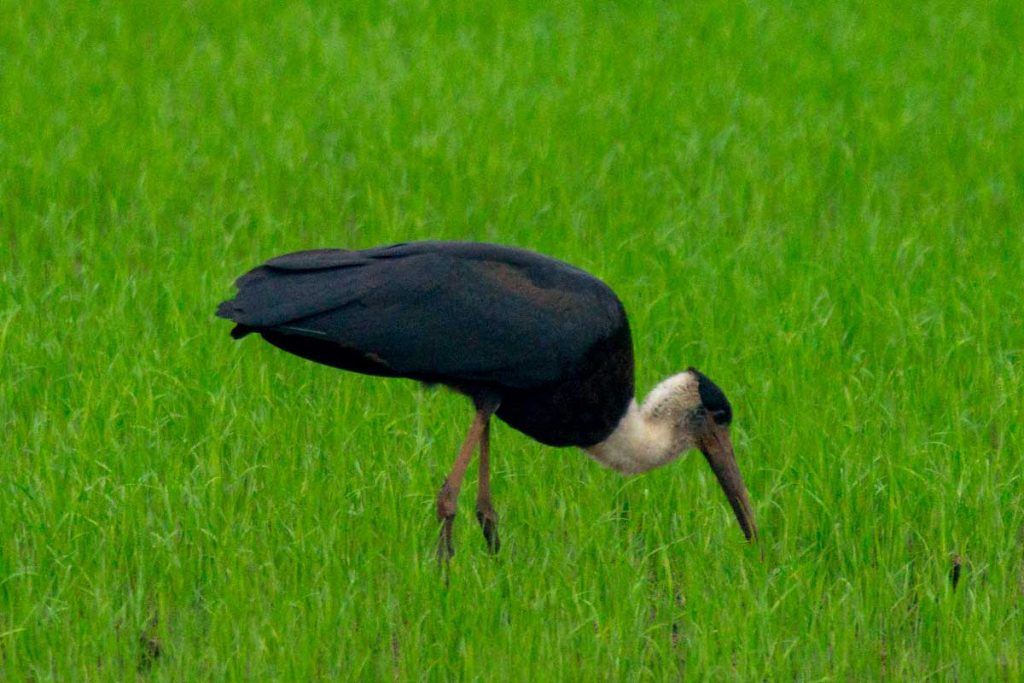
(818, 204)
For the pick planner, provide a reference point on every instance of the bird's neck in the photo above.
(639, 443)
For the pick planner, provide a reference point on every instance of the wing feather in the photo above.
(438, 311)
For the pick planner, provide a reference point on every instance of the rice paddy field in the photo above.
(820, 205)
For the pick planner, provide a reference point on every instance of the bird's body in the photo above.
(544, 346)
(550, 341)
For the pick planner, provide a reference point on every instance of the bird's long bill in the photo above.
(717, 448)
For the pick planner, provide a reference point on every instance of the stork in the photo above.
(541, 345)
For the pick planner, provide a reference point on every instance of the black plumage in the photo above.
(548, 340)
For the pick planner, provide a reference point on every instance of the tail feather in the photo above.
(239, 331)
(228, 310)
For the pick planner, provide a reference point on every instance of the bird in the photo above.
(541, 345)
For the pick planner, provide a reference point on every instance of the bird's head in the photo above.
(697, 414)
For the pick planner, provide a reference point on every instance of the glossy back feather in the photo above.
(551, 340)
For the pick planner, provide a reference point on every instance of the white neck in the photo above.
(638, 444)
(654, 434)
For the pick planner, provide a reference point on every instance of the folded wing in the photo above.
(445, 312)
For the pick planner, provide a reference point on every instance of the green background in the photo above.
(818, 204)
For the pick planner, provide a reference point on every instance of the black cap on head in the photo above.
(713, 398)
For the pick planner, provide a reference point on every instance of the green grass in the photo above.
(821, 205)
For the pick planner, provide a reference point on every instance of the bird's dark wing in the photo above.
(446, 312)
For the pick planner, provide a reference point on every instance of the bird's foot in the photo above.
(445, 546)
(488, 519)
(446, 498)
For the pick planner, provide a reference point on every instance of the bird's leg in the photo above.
(449, 493)
(485, 513)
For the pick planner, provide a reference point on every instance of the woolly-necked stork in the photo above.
(542, 345)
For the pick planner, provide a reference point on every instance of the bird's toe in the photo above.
(489, 523)
(445, 546)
